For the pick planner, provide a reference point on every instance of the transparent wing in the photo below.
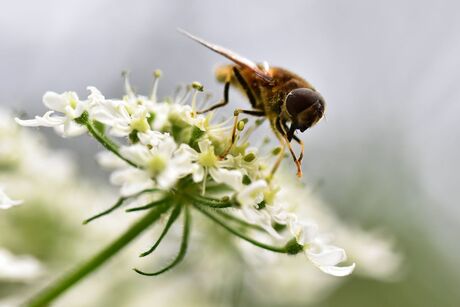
(242, 61)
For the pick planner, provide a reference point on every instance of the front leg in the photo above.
(292, 136)
(284, 135)
(222, 102)
(246, 88)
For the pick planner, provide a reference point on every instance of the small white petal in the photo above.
(204, 145)
(131, 180)
(161, 111)
(338, 271)
(184, 149)
(55, 101)
(182, 162)
(167, 178)
(167, 145)
(232, 178)
(304, 232)
(46, 120)
(70, 129)
(252, 194)
(104, 114)
(95, 97)
(71, 112)
(151, 137)
(326, 259)
(261, 218)
(120, 130)
(138, 154)
(197, 173)
(327, 256)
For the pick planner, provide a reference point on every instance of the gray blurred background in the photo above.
(386, 156)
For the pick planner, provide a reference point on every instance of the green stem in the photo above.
(118, 204)
(276, 249)
(214, 203)
(107, 143)
(49, 294)
(239, 221)
(172, 218)
(182, 250)
(105, 212)
(149, 205)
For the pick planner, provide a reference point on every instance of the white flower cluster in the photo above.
(171, 148)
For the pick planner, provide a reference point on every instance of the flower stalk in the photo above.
(49, 294)
(275, 249)
(102, 139)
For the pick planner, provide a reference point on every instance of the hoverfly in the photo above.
(274, 92)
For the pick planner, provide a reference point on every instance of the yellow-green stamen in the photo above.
(156, 165)
(208, 158)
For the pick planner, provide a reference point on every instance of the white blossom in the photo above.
(160, 166)
(121, 116)
(253, 194)
(317, 249)
(250, 164)
(160, 112)
(373, 251)
(259, 208)
(207, 162)
(185, 115)
(66, 103)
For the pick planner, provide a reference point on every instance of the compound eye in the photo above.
(301, 99)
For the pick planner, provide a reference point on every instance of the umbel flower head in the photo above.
(166, 156)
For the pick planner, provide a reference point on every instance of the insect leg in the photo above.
(283, 133)
(222, 102)
(279, 159)
(245, 86)
(302, 150)
(252, 100)
(251, 112)
(236, 113)
(291, 136)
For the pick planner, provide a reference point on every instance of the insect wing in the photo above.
(242, 61)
